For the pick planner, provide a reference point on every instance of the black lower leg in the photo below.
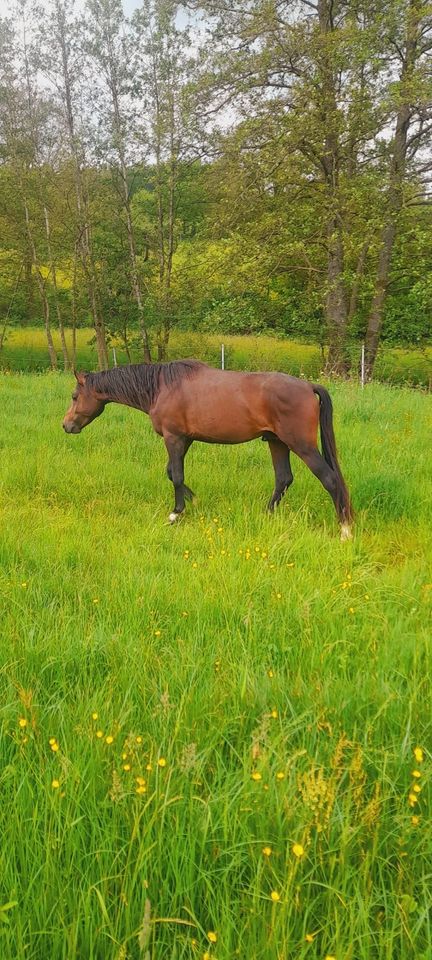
(177, 448)
(326, 475)
(280, 455)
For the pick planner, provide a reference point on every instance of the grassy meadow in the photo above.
(215, 736)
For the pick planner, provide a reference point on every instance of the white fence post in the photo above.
(114, 357)
(223, 356)
(362, 366)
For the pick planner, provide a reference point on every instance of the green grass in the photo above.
(230, 643)
(25, 349)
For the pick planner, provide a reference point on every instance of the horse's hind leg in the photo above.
(313, 459)
(280, 455)
(177, 448)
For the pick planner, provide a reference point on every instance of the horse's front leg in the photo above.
(177, 448)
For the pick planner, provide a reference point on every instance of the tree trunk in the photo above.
(395, 191)
(66, 360)
(136, 287)
(41, 287)
(336, 305)
(336, 311)
(84, 242)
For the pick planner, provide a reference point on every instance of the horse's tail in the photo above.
(328, 445)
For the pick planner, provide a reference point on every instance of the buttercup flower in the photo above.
(298, 850)
(275, 896)
(267, 851)
(212, 936)
(419, 755)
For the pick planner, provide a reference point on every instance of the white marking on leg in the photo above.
(346, 533)
(173, 517)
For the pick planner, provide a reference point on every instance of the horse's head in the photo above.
(86, 406)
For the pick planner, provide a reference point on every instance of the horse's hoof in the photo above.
(173, 517)
(346, 533)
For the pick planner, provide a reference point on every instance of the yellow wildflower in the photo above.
(298, 850)
(274, 714)
(55, 784)
(95, 716)
(140, 781)
(157, 633)
(161, 762)
(417, 788)
(99, 734)
(416, 774)
(415, 821)
(212, 936)
(22, 722)
(206, 956)
(126, 766)
(96, 600)
(412, 799)
(280, 775)
(267, 851)
(419, 755)
(256, 775)
(51, 741)
(309, 938)
(142, 789)
(275, 896)
(270, 674)
(138, 739)
(55, 747)
(109, 739)
(148, 766)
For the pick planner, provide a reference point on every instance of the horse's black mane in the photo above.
(139, 384)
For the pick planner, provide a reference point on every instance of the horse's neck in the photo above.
(120, 391)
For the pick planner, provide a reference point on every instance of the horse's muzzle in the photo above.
(70, 427)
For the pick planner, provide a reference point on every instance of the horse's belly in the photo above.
(227, 436)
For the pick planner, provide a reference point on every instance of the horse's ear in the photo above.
(80, 377)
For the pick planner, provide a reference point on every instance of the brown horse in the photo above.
(186, 400)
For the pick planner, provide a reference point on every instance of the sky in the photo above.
(128, 5)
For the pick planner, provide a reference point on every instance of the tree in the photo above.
(410, 36)
(109, 48)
